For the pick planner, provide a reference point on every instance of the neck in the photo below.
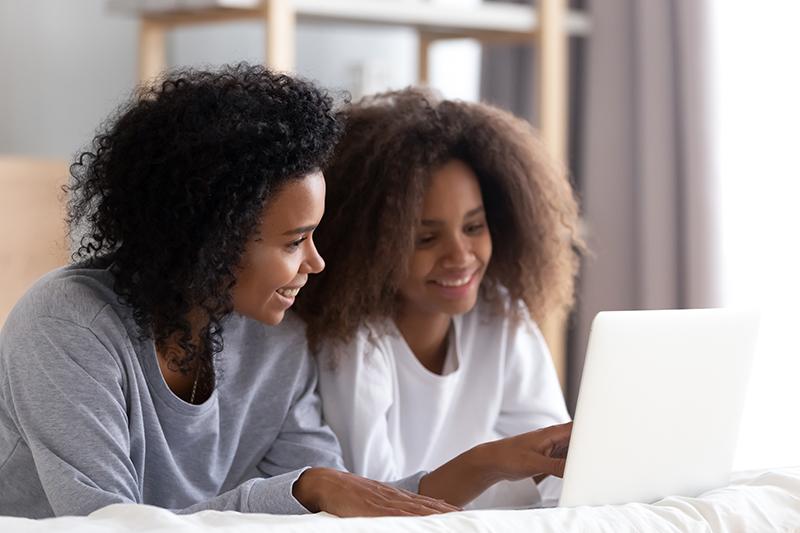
(181, 383)
(426, 336)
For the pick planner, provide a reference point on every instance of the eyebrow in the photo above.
(470, 213)
(300, 230)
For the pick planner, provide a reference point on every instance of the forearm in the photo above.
(272, 495)
(527, 455)
(462, 479)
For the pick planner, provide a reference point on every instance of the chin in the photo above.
(273, 318)
(268, 317)
(458, 307)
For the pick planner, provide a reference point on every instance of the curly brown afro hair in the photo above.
(392, 144)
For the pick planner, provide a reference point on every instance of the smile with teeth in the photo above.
(460, 282)
(288, 292)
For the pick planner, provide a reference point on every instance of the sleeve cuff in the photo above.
(410, 483)
(273, 495)
(550, 490)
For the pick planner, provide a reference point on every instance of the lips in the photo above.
(289, 292)
(455, 280)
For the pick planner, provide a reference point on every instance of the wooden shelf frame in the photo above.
(490, 22)
(499, 17)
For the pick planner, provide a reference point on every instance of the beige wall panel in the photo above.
(32, 231)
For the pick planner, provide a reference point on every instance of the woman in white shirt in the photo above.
(447, 228)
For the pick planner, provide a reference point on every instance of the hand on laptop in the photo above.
(537, 453)
(534, 454)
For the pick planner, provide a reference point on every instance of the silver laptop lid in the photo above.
(659, 405)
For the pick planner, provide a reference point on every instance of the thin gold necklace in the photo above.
(194, 386)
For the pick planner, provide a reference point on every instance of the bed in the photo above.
(762, 501)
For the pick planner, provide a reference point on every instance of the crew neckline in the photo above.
(158, 385)
(452, 362)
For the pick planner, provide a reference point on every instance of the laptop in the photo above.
(659, 405)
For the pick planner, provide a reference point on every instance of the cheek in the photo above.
(420, 266)
(279, 273)
(484, 247)
(264, 271)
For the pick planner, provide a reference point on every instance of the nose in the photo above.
(459, 252)
(314, 264)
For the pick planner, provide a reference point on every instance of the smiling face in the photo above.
(281, 254)
(453, 246)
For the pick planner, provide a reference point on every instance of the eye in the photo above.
(475, 228)
(425, 240)
(294, 245)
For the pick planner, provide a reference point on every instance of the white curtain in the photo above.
(756, 96)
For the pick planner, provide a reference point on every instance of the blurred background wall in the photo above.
(65, 65)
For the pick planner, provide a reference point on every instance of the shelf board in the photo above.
(488, 19)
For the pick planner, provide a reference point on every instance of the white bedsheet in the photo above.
(767, 501)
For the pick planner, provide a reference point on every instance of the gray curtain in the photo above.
(508, 77)
(638, 153)
(647, 188)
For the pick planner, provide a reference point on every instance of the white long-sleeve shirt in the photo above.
(394, 417)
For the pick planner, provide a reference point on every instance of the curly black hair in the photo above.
(174, 183)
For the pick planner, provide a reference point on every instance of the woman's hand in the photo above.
(535, 454)
(344, 494)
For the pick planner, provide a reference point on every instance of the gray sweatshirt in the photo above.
(86, 419)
